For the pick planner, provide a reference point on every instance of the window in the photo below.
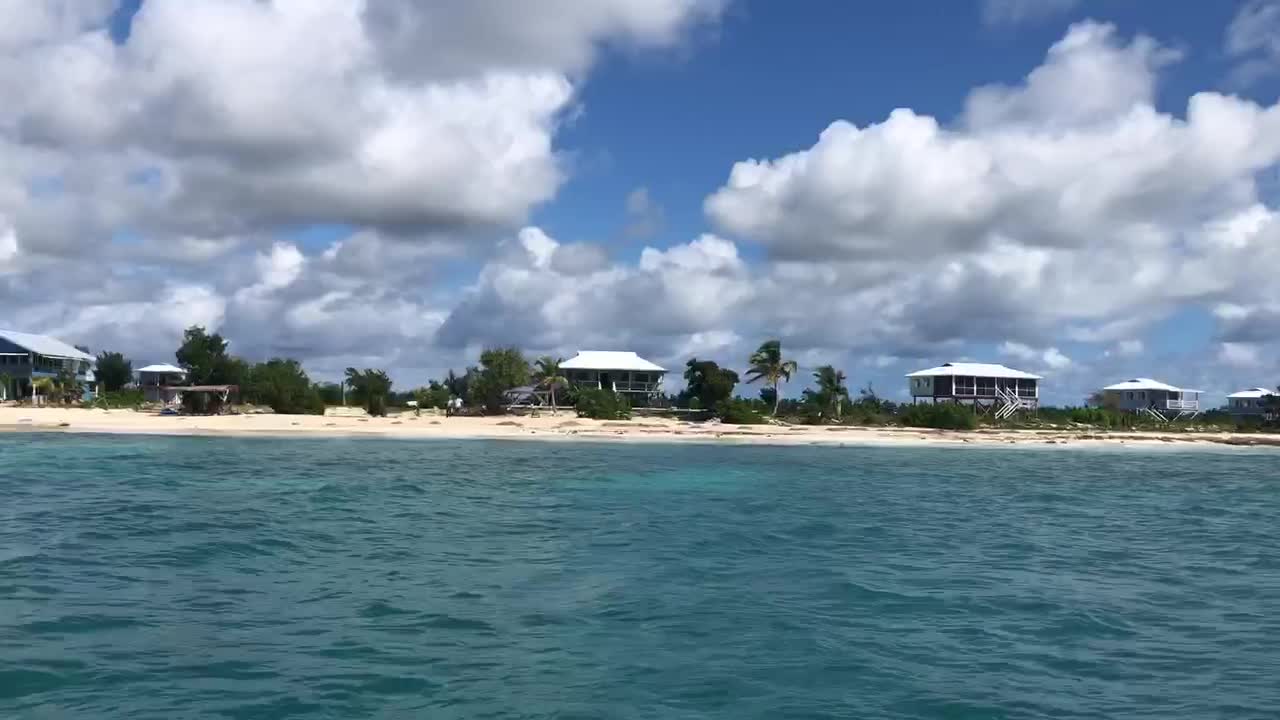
(964, 386)
(986, 386)
(1142, 395)
(1130, 394)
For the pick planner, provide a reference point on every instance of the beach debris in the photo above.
(510, 423)
(64, 424)
(331, 424)
(295, 422)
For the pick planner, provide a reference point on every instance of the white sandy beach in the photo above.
(565, 426)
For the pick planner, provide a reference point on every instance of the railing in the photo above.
(635, 387)
(1182, 404)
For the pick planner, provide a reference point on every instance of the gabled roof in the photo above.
(44, 345)
(1253, 393)
(967, 369)
(609, 360)
(1147, 384)
(163, 368)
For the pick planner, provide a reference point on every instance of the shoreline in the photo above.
(567, 427)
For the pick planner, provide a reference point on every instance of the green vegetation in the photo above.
(6, 382)
(948, 416)
(435, 395)
(707, 383)
(206, 361)
(740, 412)
(501, 369)
(369, 389)
(282, 385)
(767, 364)
(548, 375)
(602, 405)
(113, 371)
(119, 399)
(827, 400)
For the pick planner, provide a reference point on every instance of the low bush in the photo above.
(118, 399)
(739, 412)
(948, 416)
(602, 405)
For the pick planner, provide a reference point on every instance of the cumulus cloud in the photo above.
(1067, 206)
(158, 173)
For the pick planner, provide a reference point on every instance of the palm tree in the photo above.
(767, 364)
(6, 382)
(43, 387)
(831, 388)
(547, 374)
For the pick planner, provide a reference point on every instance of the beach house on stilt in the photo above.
(25, 357)
(625, 373)
(989, 388)
(1156, 399)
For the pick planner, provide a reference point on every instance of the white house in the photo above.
(1252, 402)
(153, 379)
(622, 372)
(986, 386)
(1152, 397)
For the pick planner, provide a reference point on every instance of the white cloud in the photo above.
(1254, 39)
(1067, 207)
(1050, 358)
(1018, 12)
(1130, 348)
(1243, 355)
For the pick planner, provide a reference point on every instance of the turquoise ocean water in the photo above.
(258, 578)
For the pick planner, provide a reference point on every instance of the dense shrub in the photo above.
(119, 399)
(948, 416)
(740, 412)
(602, 405)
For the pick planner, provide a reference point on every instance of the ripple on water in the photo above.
(388, 579)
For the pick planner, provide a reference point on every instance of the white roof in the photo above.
(1253, 393)
(44, 345)
(975, 370)
(609, 360)
(1147, 384)
(162, 368)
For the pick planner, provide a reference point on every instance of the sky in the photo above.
(1087, 189)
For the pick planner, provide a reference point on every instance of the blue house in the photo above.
(24, 357)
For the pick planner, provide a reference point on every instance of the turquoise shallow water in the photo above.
(257, 578)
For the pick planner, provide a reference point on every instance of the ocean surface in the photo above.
(260, 578)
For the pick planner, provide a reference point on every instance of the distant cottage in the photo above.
(988, 387)
(1156, 399)
(1254, 402)
(625, 373)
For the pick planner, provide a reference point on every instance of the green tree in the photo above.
(831, 393)
(547, 374)
(67, 387)
(330, 393)
(767, 364)
(6, 386)
(283, 385)
(113, 371)
(709, 383)
(204, 357)
(501, 369)
(370, 389)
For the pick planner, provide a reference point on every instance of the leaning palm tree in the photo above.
(547, 374)
(767, 364)
(831, 388)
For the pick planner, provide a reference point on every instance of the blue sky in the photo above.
(405, 188)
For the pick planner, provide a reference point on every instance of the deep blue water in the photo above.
(257, 578)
